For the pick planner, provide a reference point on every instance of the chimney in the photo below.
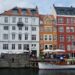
(53, 5)
(36, 8)
(71, 7)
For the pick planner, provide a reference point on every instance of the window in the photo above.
(72, 20)
(68, 47)
(20, 28)
(33, 28)
(33, 37)
(33, 45)
(26, 20)
(41, 46)
(20, 19)
(61, 37)
(60, 20)
(6, 28)
(67, 29)
(45, 37)
(15, 11)
(41, 37)
(13, 46)
(6, 19)
(33, 11)
(20, 36)
(23, 11)
(61, 29)
(54, 47)
(72, 37)
(26, 27)
(26, 36)
(50, 37)
(19, 46)
(61, 46)
(49, 29)
(46, 46)
(68, 38)
(5, 36)
(55, 37)
(13, 28)
(72, 47)
(68, 20)
(5, 46)
(13, 36)
(13, 19)
(50, 46)
(26, 46)
(33, 19)
(71, 29)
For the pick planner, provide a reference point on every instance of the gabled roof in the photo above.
(65, 10)
(22, 11)
(42, 17)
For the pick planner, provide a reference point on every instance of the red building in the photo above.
(65, 22)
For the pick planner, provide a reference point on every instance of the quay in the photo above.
(17, 61)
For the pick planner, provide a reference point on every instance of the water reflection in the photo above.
(35, 72)
(56, 72)
(18, 72)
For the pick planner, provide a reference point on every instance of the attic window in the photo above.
(33, 11)
(62, 12)
(23, 11)
(15, 11)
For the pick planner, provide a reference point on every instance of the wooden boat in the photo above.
(62, 63)
(47, 65)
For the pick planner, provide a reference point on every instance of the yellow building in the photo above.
(48, 33)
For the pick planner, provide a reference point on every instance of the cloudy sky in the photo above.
(43, 5)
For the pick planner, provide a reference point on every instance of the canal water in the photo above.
(35, 72)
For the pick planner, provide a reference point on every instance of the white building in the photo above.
(19, 30)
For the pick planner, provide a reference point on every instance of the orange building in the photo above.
(48, 33)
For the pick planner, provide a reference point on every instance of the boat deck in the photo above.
(55, 61)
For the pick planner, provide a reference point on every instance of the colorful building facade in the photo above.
(19, 29)
(48, 33)
(65, 22)
(24, 29)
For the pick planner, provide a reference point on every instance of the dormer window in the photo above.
(33, 11)
(15, 11)
(23, 11)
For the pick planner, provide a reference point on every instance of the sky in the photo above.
(44, 6)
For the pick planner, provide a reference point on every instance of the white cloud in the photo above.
(8, 4)
(25, 4)
(59, 4)
(44, 5)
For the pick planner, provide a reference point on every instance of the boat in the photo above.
(53, 63)
(45, 65)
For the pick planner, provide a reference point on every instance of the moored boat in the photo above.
(62, 62)
(45, 65)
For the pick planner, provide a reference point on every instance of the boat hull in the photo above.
(45, 65)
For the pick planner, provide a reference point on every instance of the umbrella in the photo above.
(48, 51)
(59, 50)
